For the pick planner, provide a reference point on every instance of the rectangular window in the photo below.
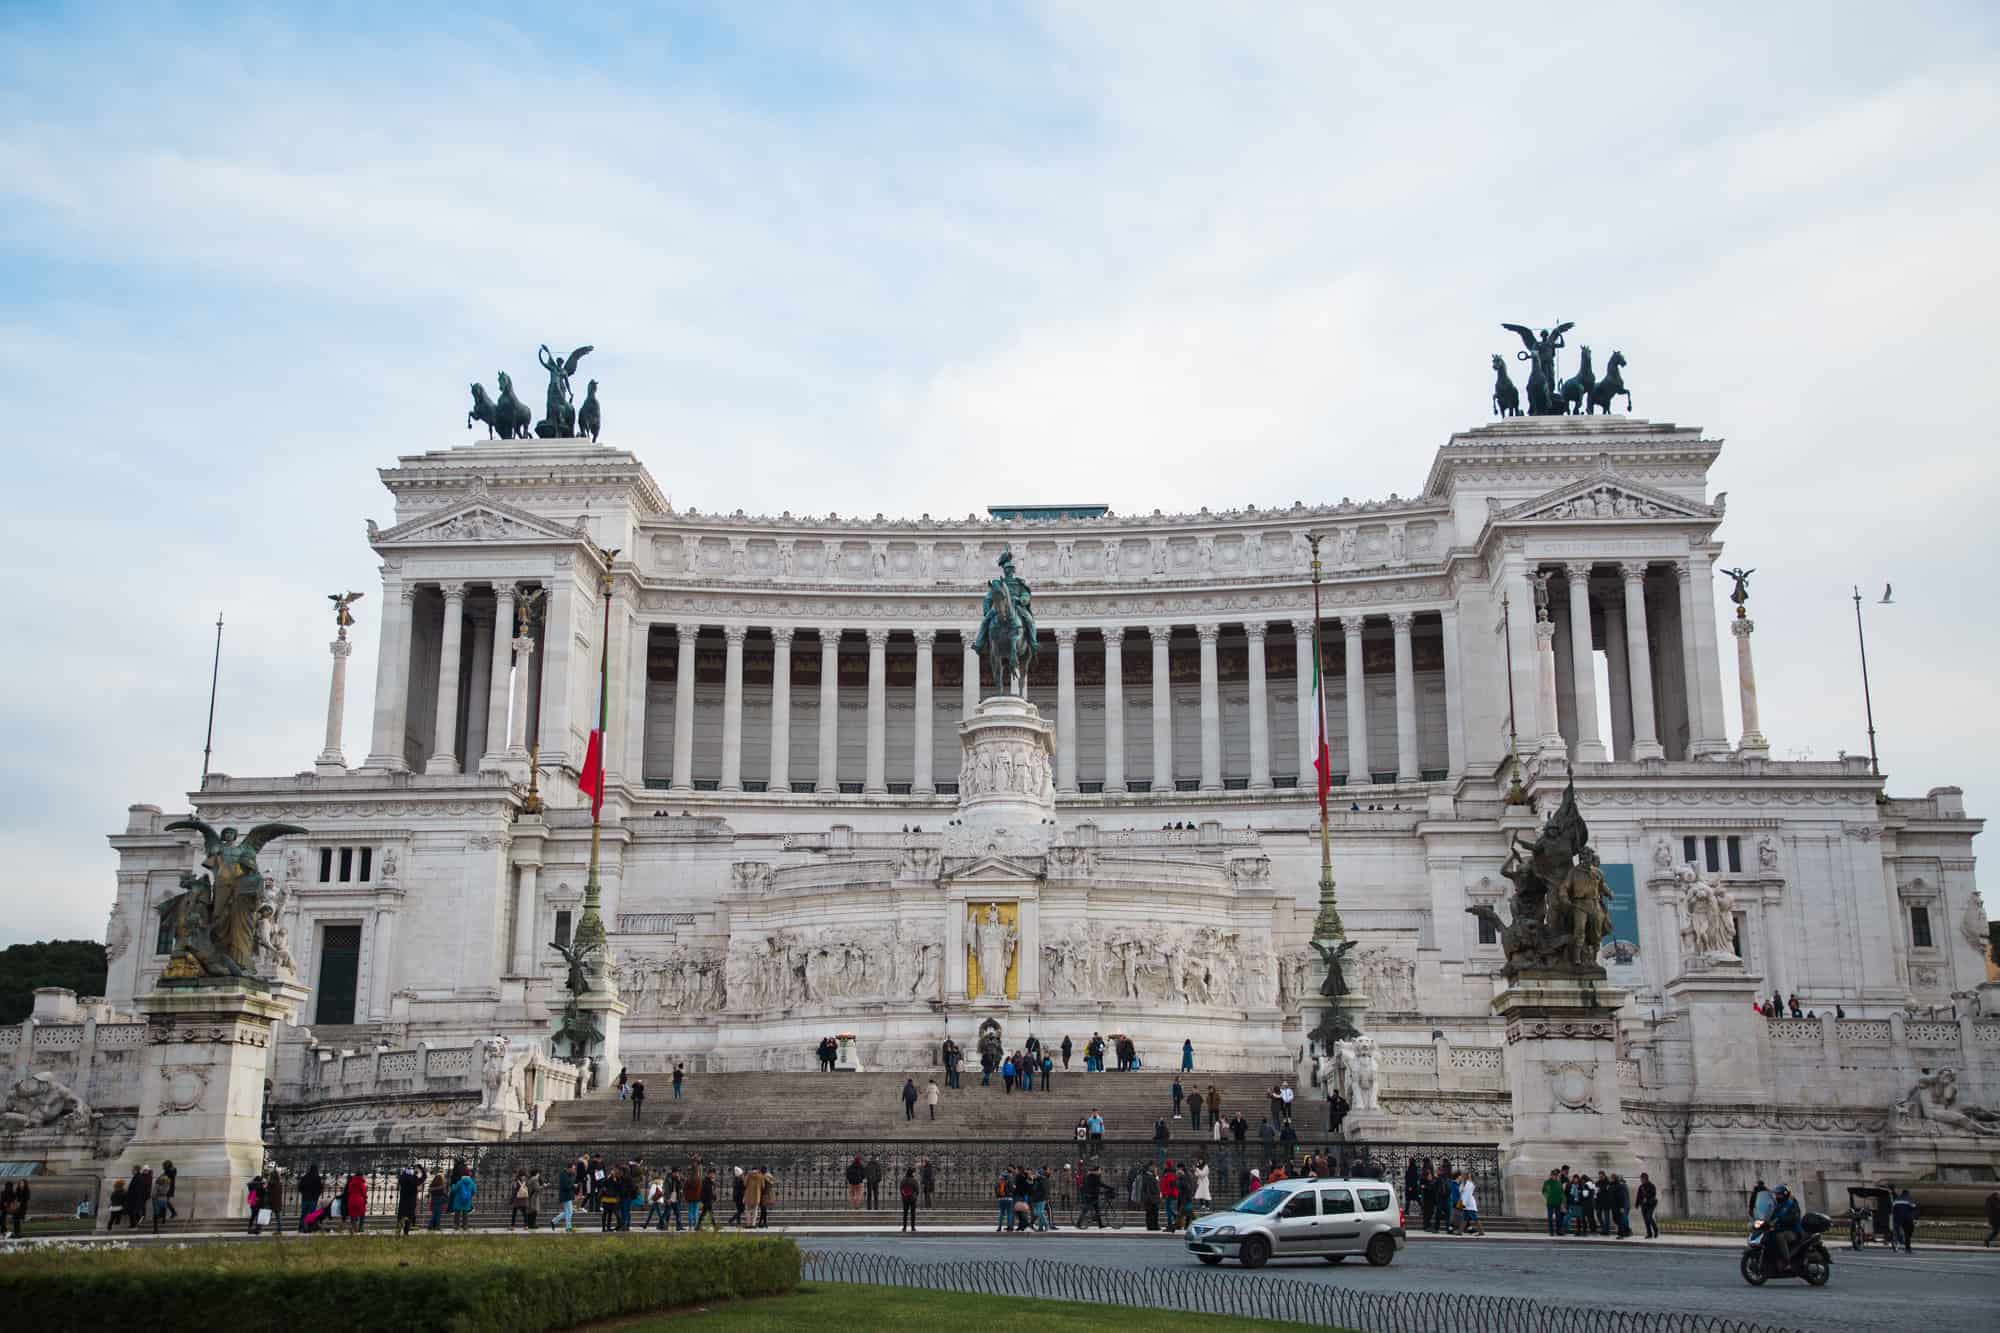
(1713, 849)
(346, 864)
(1488, 935)
(1687, 850)
(1335, 1203)
(339, 972)
(562, 928)
(163, 940)
(1735, 846)
(1920, 926)
(1736, 934)
(326, 865)
(1374, 1201)
(368, 863)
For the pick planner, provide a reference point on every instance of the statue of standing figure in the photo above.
(1544, 394)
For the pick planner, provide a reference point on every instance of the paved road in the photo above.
(1939, 1292)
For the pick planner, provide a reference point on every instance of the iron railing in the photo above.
(812, 1177)
(1261, 1297)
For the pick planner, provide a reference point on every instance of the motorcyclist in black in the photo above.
(1786, 1225)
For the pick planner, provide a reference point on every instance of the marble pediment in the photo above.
(994, 868)
(1606, 497)
(478, 518)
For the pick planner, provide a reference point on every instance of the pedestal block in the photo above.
(609, 1012)
(1562, 1069)
(1731, 1040)
(201, 1100)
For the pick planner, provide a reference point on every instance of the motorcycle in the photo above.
(1809, 1260)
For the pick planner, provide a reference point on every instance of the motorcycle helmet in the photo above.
(1783, 1191)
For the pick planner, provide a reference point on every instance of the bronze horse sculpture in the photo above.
(1611, 386)
(1576, 389)
(1506, 398)
(506, 418)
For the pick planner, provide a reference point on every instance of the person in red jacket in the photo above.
(354, 1201)
(1170, 1192)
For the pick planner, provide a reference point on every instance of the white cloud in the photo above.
(859, 264)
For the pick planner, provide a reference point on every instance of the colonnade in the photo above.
(1402, 763)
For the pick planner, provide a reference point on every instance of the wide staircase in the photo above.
(813, 1107)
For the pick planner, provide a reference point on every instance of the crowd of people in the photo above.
(1578, 1205)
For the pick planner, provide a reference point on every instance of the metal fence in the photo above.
(812, 1177)
(1260, 1297)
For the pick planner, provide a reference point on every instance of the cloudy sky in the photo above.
(895, 258)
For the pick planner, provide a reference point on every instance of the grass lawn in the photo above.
(836, 1305)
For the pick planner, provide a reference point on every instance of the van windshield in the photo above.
(1264, 1200)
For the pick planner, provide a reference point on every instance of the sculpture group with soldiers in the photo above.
(1549, 395)
(1561, 905)
(563, 418)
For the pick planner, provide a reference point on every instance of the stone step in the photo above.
(869, 1105)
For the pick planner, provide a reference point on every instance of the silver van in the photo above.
(1325, 1219)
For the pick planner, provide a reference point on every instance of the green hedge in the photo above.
(440, 1284)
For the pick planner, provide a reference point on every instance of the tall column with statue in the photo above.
(330, 759)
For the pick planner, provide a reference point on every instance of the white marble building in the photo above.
(784, 701)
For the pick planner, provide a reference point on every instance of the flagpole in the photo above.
(215, 675)
(1326, 926)
(589, 934)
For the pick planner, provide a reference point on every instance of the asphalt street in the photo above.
(1940, 1292)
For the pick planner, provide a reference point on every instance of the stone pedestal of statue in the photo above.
(1562, 1070)
(1717, 994)
(201, 1098)
(608, 1011)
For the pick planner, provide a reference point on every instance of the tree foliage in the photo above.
(77, 965)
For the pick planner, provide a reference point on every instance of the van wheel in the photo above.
(1210, 1259)
(1381, 1251)
(1254, 1252)
(1334, 1258)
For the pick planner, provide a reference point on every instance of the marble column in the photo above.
(968, 686)
(922, 783)
(1408, 768)
(878, 712)
(1114, 708)
(1351, 628)
(781, 709)
(1774, 972)
(444, 741)
(732, 707)
(638, 656)
(1714, 731)
(381, 958)
(1211, 709)
(1260, 709)
(1163, 708)
(1550, 740)
(1066, 710)
(500, 694)
(1583, 664)
(1302, 662)
(479, 688)
(684, 639)
(1639, 661)
(828, 777)
(330, 758)
(1617, 678)
(525, 915)
(517, 725)
(392, 679)
(1454, 698)
(1746, 683)
(558, 683)
(1690, 658)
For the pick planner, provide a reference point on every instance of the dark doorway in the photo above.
(339, 970)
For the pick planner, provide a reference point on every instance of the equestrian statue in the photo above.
(1007, 629)
(1549, 395)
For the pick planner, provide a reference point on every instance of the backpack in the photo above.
(909, 1191)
